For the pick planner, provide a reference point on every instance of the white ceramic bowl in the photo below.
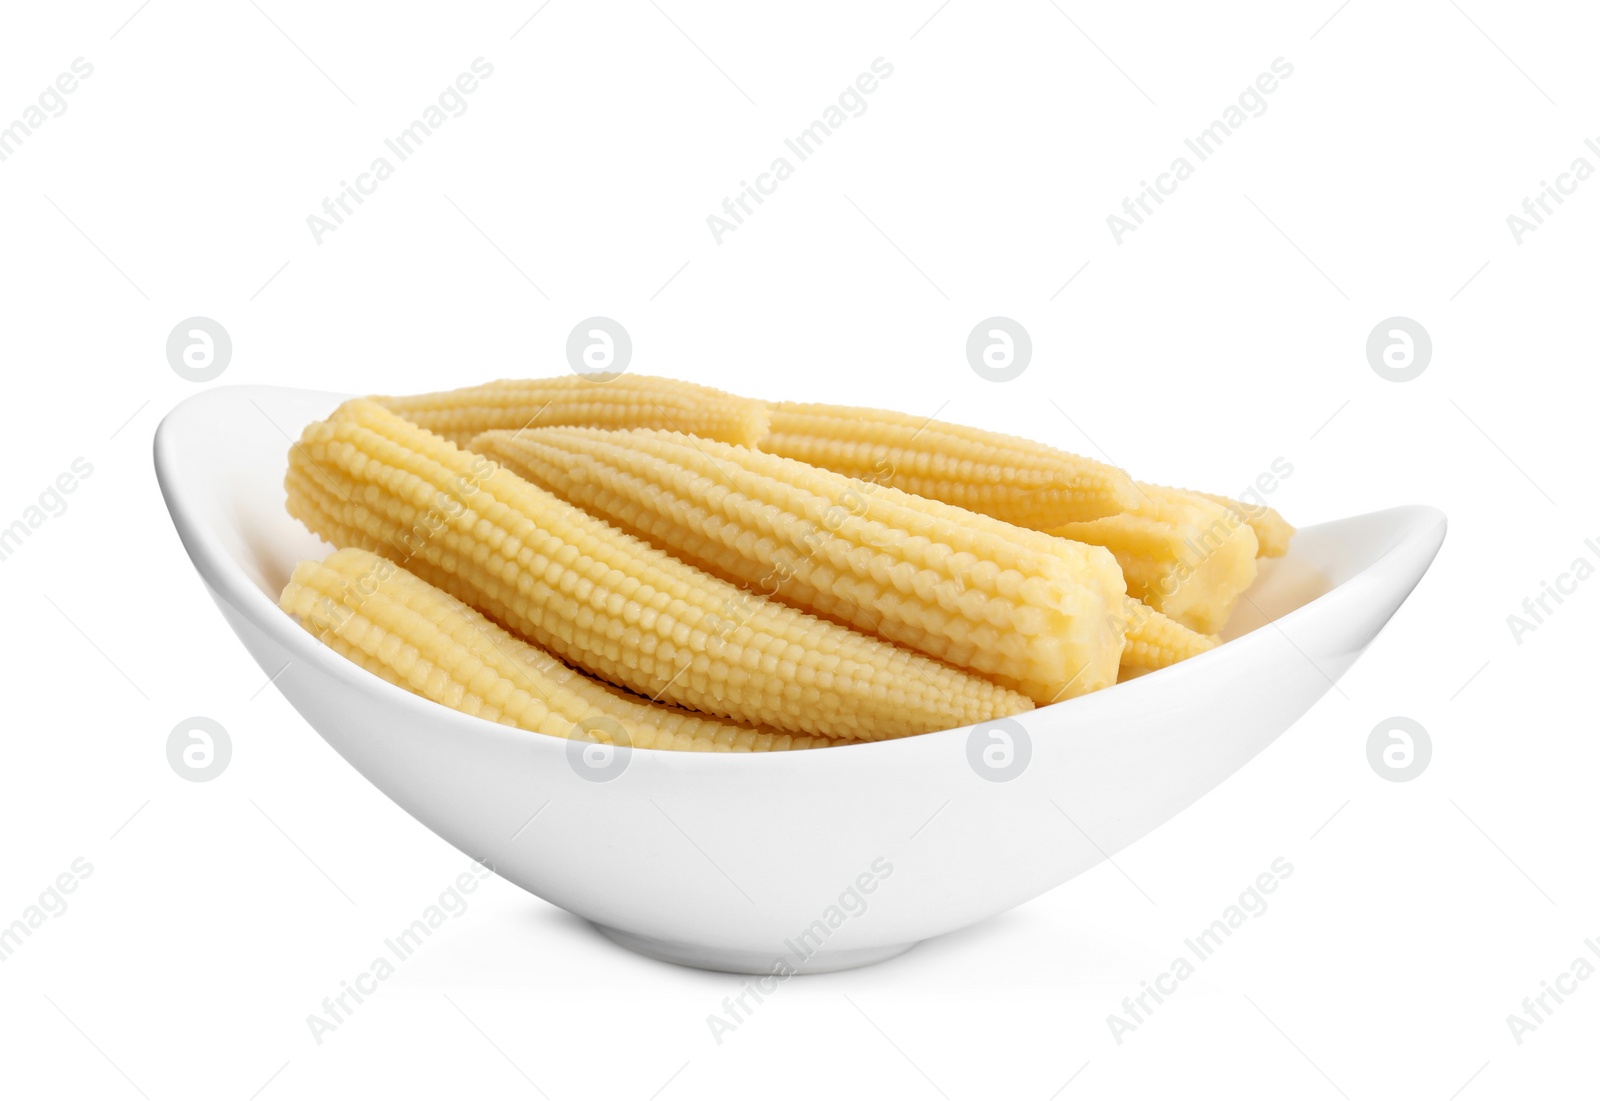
(822, 859)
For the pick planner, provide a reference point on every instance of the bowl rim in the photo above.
(222, 573)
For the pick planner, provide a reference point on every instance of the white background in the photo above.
(1226, 332)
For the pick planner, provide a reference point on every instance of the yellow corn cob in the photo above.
(630, 401)
(1182, 554)
(322, 521)
(1006, 477)
(607, 602)
(408, 605)
(1031, 611)
(1155, 641)
(1148, 635)
(416, 636)
(1273, 532)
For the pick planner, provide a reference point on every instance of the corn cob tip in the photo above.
(1155, 641)
(1183, 554)
(1273, 532)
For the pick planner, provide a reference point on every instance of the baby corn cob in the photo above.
(1273, 532)
(408, 632)
(1006, 477)
(1148, 636)
(1031, 611)
(1150, 640)
(1155, 641)
(1184, 555)
(630, 401)
(607, 602)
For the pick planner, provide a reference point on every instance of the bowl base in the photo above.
(737, 962)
